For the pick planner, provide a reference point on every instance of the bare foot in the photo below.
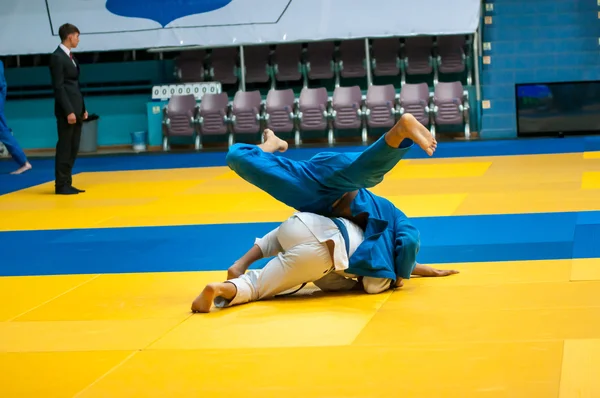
(204, 301)
(271, 139)
(27, 166)
(409, 127)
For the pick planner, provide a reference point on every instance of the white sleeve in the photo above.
(268, 244)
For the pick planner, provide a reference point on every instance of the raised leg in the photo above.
(316, 184)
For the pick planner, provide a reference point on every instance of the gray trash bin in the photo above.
(89, 135)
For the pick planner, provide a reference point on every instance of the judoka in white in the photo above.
(305, 248)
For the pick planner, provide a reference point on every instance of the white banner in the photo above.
(134, 24)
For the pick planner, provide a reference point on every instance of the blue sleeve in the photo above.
(406, 246)
(2, 78)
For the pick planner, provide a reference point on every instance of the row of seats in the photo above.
(315, 111)
(420, 55)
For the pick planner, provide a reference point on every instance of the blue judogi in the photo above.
(391, 242)
(6, 136)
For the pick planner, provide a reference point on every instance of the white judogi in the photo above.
(302, 256)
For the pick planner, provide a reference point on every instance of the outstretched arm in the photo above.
(267, 246)
(425, 270)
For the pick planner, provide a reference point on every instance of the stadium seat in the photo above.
(314, 111)
(287, 62)
(347, 110)
(179, 119)
(247, 114)
(414, 99)
(352, 59)
(451, 56)
(213, 115)
(223, 65)
(256, 59)
(319, 60)
(417, 58)
(381, 107)
(281, 113)
(190, 66)
(385, 57)
(451, 106)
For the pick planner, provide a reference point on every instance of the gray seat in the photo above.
(451, 56)
(385, 55)
(256, 59)
(287, 62)
(247, 113)
(281, 112)
(179, 119)
(414, 99)
(314, 113)
(319, 60)
(381, 106)
(190, 66)
(352, 59)
(223, 65)
(417, 56)
(451, 106)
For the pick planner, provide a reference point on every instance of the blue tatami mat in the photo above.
(542, 236)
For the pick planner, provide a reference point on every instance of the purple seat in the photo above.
(247, 113)
(417, 55)
(223, 65)
(213, 114)
(180, 119)
(451, 54)
(319, 60)
(386, 61)
(451, 105)
(190, 66)
(314, 112)
(288, 62)
(352, 58)
(414, 99)
(347, 108)
(280, 111)
(256, 59)
(381, 106)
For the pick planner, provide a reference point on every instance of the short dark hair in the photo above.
(65, 30)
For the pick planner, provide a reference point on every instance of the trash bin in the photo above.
(138, 140)
(89, 134)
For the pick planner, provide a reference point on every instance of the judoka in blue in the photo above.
(6, 136)
(321, 184)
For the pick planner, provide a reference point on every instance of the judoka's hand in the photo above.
(427, 271)
(234, 272)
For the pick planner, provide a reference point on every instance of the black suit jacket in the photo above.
(65, 81)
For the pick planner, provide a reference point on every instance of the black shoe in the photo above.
(65, 191)
(78, 190)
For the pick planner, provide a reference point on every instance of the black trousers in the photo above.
(67, 147)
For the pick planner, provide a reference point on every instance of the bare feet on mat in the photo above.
(204, 301)
(272, 143)
(27, 166)
(409, 127)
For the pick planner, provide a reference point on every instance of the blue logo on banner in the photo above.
(163, 11)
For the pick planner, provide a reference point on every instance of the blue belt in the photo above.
(344, 231)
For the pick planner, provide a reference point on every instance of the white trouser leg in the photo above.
(376, 285)
(303, 260)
